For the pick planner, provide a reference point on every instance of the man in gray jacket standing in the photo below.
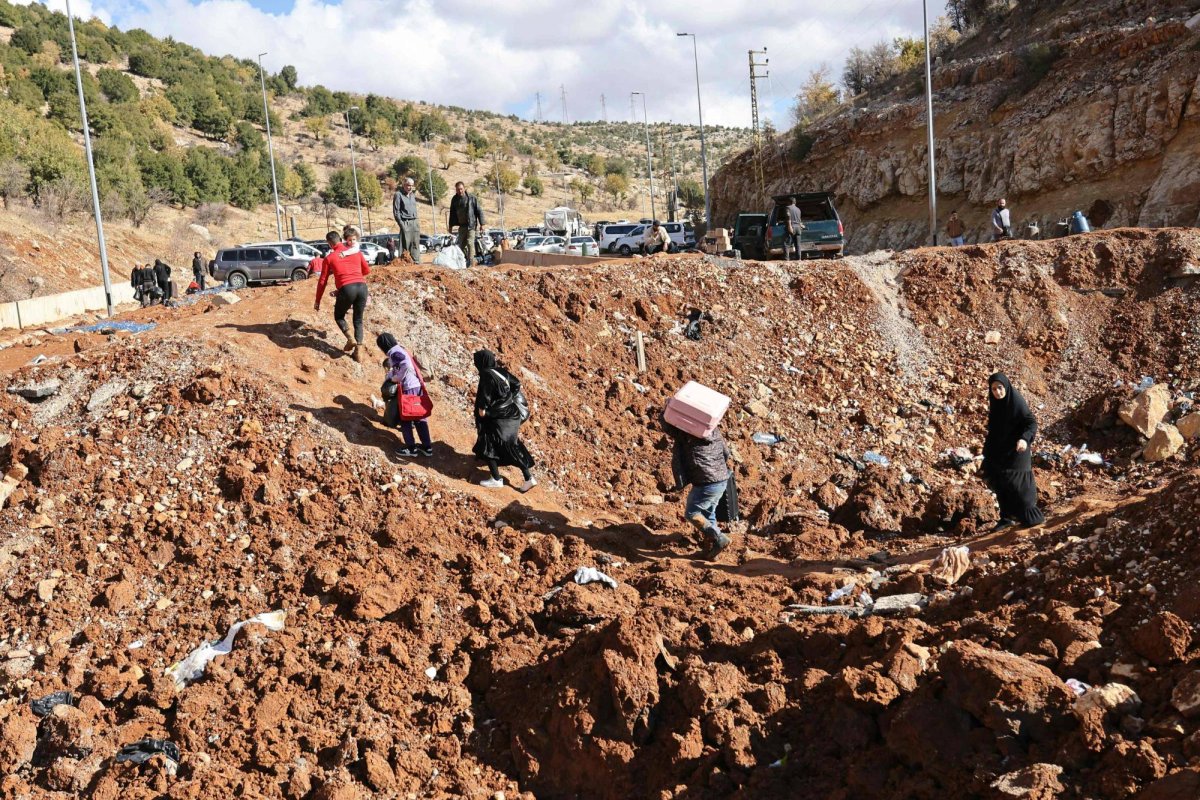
(1001, 221)
(404, 209)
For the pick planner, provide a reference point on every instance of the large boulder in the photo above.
(1189, 426)
(1146, 410)
(1165, 443)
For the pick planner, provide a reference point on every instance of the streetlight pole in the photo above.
(929, 123)
(270, 148)
(87, 145)
(703, 148)
(354, 170)
(432, 209)
(649, 157)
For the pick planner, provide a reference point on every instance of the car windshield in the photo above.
(582, 240)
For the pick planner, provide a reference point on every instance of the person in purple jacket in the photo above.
(402, 373)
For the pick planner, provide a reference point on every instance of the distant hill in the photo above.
(175, 127)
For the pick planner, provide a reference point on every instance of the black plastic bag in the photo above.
(146, 749)
(727, 506)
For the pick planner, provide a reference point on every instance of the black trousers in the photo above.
(352, 296)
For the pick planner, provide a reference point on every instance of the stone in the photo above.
(18, 738)
(1035, 782)
(866, 689)
(105, 393)
(378, 601)
(37, 391)
(142, 389)
(992, 337)
(40, 521)
(1165, 443)
(11, 480)
(1185, 697)
(120, 595)
(184, 465)
(544, 552)
(853, 612)
(1163, 639)
(45, 589)
(758, 408)
(1146, 410)
(200, 231)
(1189, 426)
(379, 774)
(225, 299)
(1110, 698)
(900, 604)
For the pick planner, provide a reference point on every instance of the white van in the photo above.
(683, 234)
(290, 249)
(611, 233)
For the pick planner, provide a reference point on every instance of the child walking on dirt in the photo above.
(350, 270)
(499, 412)
(1007, 462)
(702, 463)
(404, 373)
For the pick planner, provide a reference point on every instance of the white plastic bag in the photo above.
(451, 258)
(192, 667)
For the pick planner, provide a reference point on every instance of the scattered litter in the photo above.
(40, 359)
(1145, 383)
(851, 460)
(137, 645)
(871, 457)
(142, 751)
(951, 564)
(1084, 456)
(431, 673)
(37, 391)
(766, 438)
(450, 258)
(900, 604)
(1098, 592)
(44, 705)
(845, 591)
(1078, 687)
(591, 575)
(192, 667)
(958, 456)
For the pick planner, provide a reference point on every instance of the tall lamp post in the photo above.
(354, 169)
(432, 205)
(703, 148)
(929, 124)
(270, 149)
(87, 146)
(649, 157)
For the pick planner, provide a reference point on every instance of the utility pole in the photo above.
(603, 109)
(563, 89)
(649, 153)
(539, 104)
(432, 205)
(87, 145)
(754, 125)
(929, 129)
(703, 148)
(270, 148)
(354, 170)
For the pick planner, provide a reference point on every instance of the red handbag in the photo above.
(414, 407)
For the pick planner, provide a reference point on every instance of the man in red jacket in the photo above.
(349, 268)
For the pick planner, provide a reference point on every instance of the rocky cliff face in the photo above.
(1112, 129)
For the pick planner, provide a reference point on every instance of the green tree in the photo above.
(211, 116)
(595, 164)
(14, 179)
(146, 62)
(440, 189)
(409, 165)
(320, 103)
(116, 85)
(477, 140)
(26, 93)
(28, 39)
(616, 185)
(206, 170)
(691, 193)
(308, 177)
(504, 176)
(316, 127)
(340, 189)
(168, 170)
(247, 137)
(291, 186)
(289, 76)
(249, 179)
(534, 184)
(818, 96)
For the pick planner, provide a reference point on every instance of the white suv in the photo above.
(611, 233)
(683, 234)
(290, 249)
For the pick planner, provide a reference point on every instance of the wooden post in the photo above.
(641, 352)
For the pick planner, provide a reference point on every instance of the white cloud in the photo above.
(497, 56)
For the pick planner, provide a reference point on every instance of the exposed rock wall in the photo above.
(1113, 129)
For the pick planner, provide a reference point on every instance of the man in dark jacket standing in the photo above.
(162, 276)
(404, 210)
(703, 464)
(199, 274)
(466, 214)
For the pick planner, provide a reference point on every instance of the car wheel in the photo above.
(299, 275)
(625, 250)
(237, 280)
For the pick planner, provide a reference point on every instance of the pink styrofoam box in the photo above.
(696, 409)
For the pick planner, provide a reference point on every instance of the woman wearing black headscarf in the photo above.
(1007, 463)
(498, 422)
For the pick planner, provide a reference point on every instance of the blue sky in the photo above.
(497, 56)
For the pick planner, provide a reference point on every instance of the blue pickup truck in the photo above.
(763, 236)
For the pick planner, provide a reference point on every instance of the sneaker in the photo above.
(405, 452)
(527, 485)
(424, 452)
(492, 483)
(720, 542)
(1002, 524)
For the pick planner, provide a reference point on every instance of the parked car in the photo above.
(320, 245)
(611, 233)
(241, 266)
(749, 237)
(630, 243)
(530, 241)
(548, 244)
(291, 249)
(823, 235)
(578, 243)
(375, 254)
(683, 234)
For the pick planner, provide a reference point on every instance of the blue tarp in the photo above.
(112, 325)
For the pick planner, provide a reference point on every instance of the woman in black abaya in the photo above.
(1007, 463)
(498, 423)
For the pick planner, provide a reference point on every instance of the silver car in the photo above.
(242, 266)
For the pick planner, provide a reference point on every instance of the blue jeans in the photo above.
(956, 241)
(703, 500)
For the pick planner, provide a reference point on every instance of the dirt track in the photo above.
(232, 464)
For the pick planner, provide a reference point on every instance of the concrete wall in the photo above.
(523, 258)
(54, 307)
